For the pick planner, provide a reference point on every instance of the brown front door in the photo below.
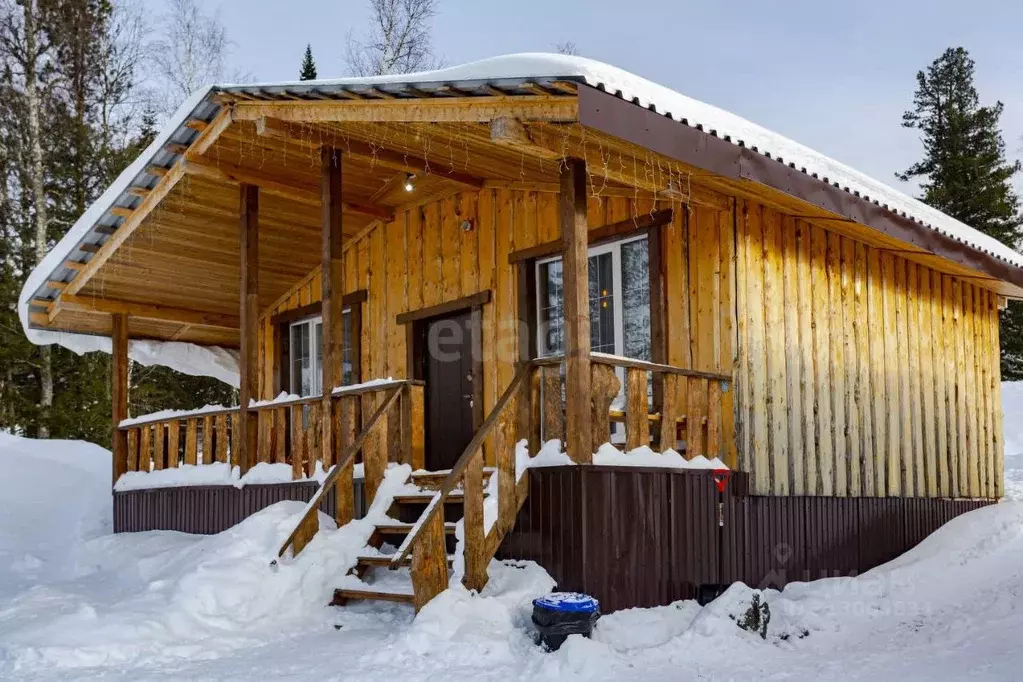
(448, 368)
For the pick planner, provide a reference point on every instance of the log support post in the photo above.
(579, 442)
(119, 391)
(332, 269)
(248, 311)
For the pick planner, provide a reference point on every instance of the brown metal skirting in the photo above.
(210, 509)
(647, 537)
(663, 135)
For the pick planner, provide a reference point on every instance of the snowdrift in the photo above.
(77, 602)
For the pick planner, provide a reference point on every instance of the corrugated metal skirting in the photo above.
(645, 537)
(210, 509)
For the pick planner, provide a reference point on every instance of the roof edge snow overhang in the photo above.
(663, 135)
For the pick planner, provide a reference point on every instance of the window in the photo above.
(306, 355)
(619, 276)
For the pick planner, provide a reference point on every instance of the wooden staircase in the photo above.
(414, 544)
(406, 511)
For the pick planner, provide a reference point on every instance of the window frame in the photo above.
(615, 248)
(316, 352)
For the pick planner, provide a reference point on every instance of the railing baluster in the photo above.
(553, 413)
(133, 450)
(207, 439)
(637, 424)
(221, 438)
(159, 446)
(605, 386)
(297, 441)
(311, 439)
(374, 458)
(474, 545)
(697, 413)
(263, 424)
(173, 442)
(280, 432)
(417, 427)
(669, 410)
(713, 419)
(145, 448)
(191, 441)
(236, 434)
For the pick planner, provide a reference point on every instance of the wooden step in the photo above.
(435, 479)
(426, 496)
(342, 596)
(406, 528)
(384, 560)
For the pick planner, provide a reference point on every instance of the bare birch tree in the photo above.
(26, 53)
(191, 52)
(398, 40)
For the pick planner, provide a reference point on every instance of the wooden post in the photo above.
(579, 443)
(119, 391)
(248, 304)
(332, 270)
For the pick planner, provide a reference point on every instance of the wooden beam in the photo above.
(122, 212)
(74, 265)
(309, 137)
(276, 186)
(509, 132)
(89, 248)
(142, 192)
(578, 438)
(248, 313)
(175, 148)
(617, 230)
(466, 303)
(148, 311)
(332, 306)
(167, 182)
(197, 124)
(119, 391)
(453, 109)
(158, 171)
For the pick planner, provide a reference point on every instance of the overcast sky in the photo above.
(835, 76)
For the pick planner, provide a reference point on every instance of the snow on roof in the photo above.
(508, 73)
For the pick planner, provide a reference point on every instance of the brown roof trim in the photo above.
(663, 135)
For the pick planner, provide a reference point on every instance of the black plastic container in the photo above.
(560, 614)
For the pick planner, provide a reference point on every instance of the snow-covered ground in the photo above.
(77, 602)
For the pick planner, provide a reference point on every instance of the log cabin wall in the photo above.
(424, 258)
(861, 373)
(858, 372)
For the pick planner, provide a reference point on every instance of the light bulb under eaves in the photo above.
(410, 184)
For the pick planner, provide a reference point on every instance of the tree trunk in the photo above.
(37, 181)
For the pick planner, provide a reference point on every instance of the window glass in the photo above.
(306, 355)
(636, 300)
(602, 303)
(300, 360)
(347, 363)
(552, 297)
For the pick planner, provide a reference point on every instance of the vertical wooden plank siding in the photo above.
(857, 371)
(890, 369)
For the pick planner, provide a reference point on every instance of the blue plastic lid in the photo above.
(573, 602)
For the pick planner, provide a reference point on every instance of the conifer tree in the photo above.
(965, 172)
(308, 72)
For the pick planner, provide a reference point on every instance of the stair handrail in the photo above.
(458, 470)
(309, 517)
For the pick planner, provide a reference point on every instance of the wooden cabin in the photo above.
(429, 269)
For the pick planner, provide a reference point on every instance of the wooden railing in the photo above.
(532, 408)
(167, 442)
(289, 432)
(340, 477)
(429, 568)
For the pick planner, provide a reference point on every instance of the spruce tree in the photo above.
(965, 173)
(308, 72)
